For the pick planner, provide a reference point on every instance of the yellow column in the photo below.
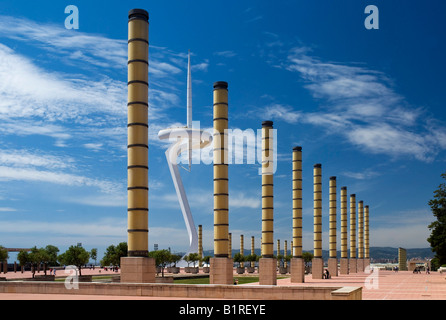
(333, 259)
(344, 233)
(278, 252)
(297, 202)
(230, 245)
(317, 208)
(200, 242)
(267, 265)
(353, 262)
(137, 148)
(267, 189)
(317, 262)
(297, 268)
(242, 245)
(366, 237)
(221, 196)
(221, 265)
(252, 250)
(332, 218)
(361, 236)
(285, 248)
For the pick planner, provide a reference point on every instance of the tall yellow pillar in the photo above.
(297, 268)
(137, 127)
(252, 250)
(344, 265)
(221, 264)
(352, 262)
(360, 236)
(332, 260)
(230, 245)
(285, 249)
(200, 243)
(317, 263)
(267, 265)
(242, 245)
(137, 151)
(366, 237)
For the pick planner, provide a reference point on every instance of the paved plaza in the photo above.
(380, 285)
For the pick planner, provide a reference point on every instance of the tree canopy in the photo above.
(113, 254)
(437, 238)
(76, 256)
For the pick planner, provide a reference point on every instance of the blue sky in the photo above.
(366, 104)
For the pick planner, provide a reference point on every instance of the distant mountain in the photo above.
(376, 253)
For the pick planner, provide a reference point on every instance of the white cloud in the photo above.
(280, 112)
(240, 200)
(25, 158)
(361, 105)
(61, 178)
(28, 91)
(225, 54)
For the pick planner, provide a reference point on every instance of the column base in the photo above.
(366, 264)
(297, 270)
(221, 271)
(268, 271)
(360, 265)
(344, 266)
(353, 265)
(333, 267)
(138, 270)
(317, 268)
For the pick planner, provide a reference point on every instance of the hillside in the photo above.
(376, 253)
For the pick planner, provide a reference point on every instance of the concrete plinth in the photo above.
(333, 267)
(138, 270)
(221, 271)
(317, 268)
(343, 266)
(353, 265)
(366, 263)
(268, 271)
(360, 265)
(297, 270)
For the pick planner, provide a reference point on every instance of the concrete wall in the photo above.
(188, 291)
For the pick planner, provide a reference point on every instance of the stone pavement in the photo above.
(387, 285)
(380, 285)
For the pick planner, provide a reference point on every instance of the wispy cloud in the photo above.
(225, 54)
(361, 105)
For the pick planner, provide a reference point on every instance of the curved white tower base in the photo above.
(183, 137)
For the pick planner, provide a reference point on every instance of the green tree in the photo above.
(239, 258)
(36, 257)
(174, 258)
(206, 260)
(94, 254)
(52, 252)
(113, 254)
(437, 238)
(308, 257)
(76, 256)
(23, 258)
(162, 258)
(3, 254)
(193, 257)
